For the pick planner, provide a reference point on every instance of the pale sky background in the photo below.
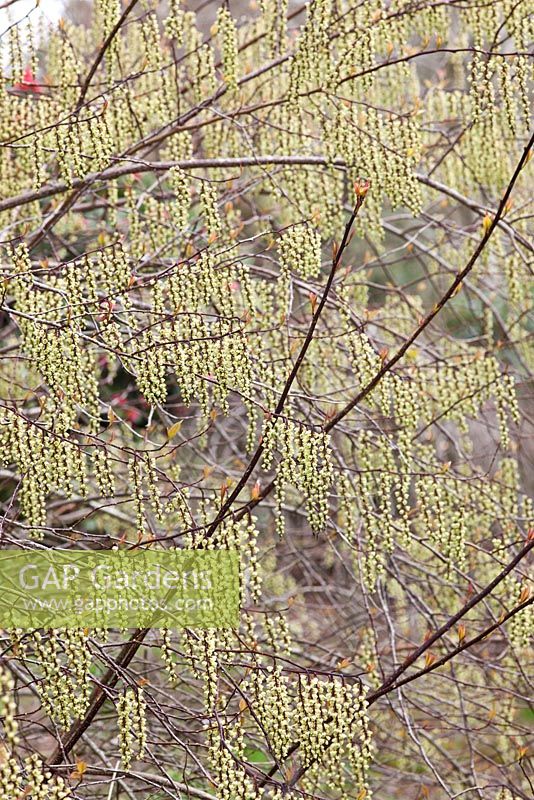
(50, 9)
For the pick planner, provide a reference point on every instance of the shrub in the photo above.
(266, 286)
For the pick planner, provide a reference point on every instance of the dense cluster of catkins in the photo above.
(132, 725)
(304, 463)
(28, 777)
(327, 717)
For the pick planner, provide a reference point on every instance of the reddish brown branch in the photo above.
(99, 696)
(451, 291)
(101, 53)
